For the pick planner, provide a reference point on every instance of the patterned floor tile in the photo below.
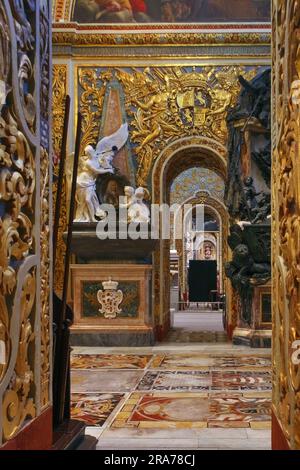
(182, 361)
(216, 361)
(105, 380)
(176, 380)
(110, 361)
(191, 410)
(237, 380)
(243, 362)
(93, 409)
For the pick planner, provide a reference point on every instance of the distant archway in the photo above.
(178, 156)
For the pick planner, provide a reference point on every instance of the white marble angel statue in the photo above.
(93, 163)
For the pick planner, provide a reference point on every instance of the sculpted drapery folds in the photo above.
(162, 105)
(286, 216)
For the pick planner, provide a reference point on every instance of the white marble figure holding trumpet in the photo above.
(96, 162)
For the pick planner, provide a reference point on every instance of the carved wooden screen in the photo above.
(25, 375)
(286, 217)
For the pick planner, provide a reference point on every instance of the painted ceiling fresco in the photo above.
(170, 11)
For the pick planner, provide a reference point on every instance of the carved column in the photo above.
(25, 206)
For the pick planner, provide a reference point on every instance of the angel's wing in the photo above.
(118, 139)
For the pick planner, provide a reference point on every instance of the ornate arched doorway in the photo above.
(180, 155)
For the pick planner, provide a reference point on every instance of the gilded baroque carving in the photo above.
(45, 279)
(59, 91)
(286, 216)
(24, 307)
(18, 402)
(120, 38)
(163, 104)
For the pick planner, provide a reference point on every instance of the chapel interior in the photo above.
(149, 224)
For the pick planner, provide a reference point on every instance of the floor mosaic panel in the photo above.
(193, 410)
(104, 380)
(110, 361)
(173, 380)
(236, 380)
(204, 361)
(206, 380)
(166, 390)
(93, 409)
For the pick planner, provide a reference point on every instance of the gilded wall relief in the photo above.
(286, 216)
(163, 104)
(24, 220)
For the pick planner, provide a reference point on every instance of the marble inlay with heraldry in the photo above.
(25, 379)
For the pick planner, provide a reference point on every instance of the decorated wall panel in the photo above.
(161, 105)
(25, 205)
(286, 216)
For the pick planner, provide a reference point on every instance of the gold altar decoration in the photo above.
(286, 216)
(110, 299)
(59, 92)
(163, 104)
(25, 267)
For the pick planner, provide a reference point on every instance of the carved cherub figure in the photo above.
(138, 211)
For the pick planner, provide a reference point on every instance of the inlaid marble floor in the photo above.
(174, 396)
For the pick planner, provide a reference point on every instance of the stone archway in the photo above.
(175, 158)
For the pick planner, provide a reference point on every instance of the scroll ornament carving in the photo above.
(25, 42)
(44, 274)
(286, 219)
(17, 403)
(17, 197)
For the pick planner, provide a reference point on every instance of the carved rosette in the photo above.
(24, 215)
(286, 216)
(110, 299)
